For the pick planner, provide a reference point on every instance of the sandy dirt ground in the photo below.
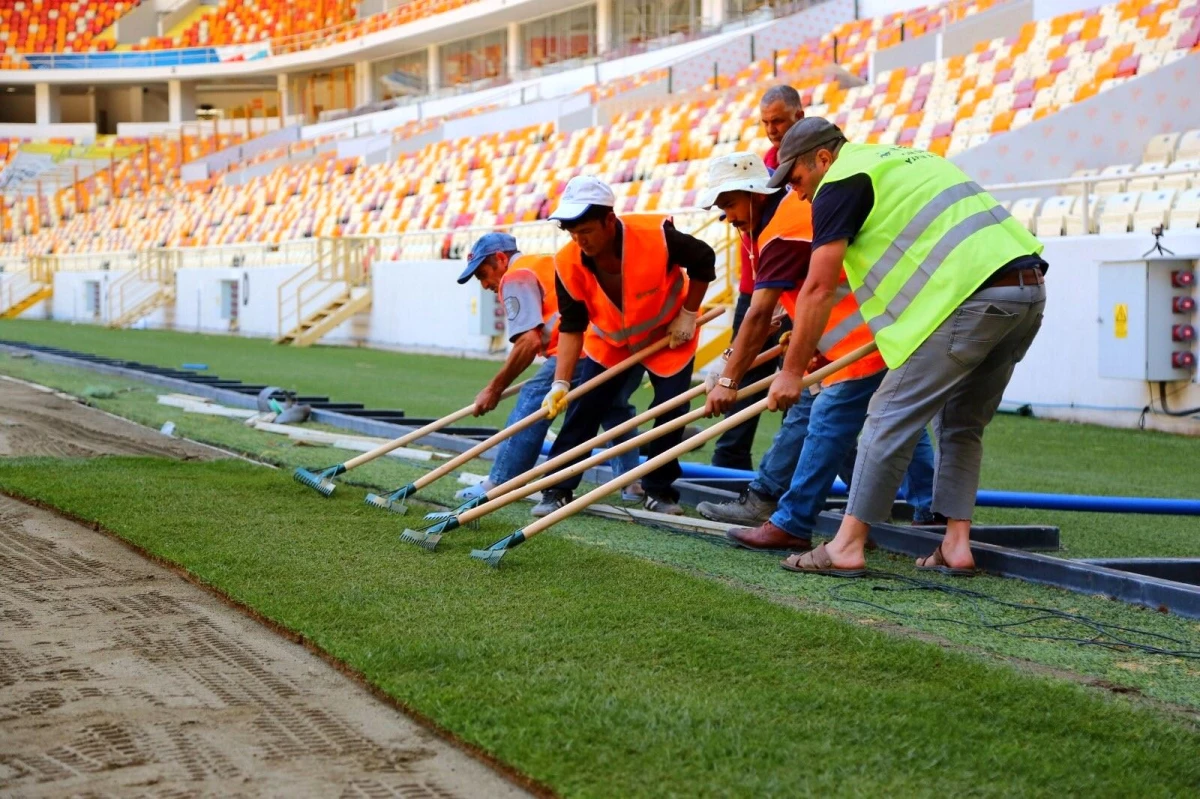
(35, 421)
(120, 678)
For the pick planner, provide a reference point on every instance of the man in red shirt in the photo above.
(780, 108)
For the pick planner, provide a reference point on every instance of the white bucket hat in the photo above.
(734, 172)
(582, 192)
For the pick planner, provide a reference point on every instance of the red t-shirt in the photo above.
(746, 276)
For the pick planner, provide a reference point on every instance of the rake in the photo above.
(321, 480)
(492, 555)
(394, 501)
(470, 511)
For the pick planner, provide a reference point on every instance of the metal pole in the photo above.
(716, 76)
(1087, 211)
(775, 63)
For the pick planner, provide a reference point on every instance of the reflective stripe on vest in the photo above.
(652, 293)
(620, 337)
(846, 326)
(931, 238)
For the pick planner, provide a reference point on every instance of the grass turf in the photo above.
(602, 674)
(1020, 454)
(955, 619)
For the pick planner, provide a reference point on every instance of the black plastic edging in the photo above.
(1080, 576)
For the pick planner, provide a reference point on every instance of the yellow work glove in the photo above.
(785, 338)
(556, 399)
(682, 329)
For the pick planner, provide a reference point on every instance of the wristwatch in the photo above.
(727, 382)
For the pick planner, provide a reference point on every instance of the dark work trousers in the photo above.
(584, 414)
(734, 448)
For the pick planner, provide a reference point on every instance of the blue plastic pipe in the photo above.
(996, 499)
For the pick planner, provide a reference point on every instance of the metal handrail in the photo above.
(1087, 182)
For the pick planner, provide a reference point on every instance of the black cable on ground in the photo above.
(1106, 635)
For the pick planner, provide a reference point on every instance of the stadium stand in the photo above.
(46, 26)
(654, 156)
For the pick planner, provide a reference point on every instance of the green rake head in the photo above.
(320, 480)
(492, 555)
(393, 501)
(430, 536)
(473, 502)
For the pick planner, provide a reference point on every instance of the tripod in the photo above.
(1158, 245)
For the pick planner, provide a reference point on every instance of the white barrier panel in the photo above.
(419, 304)
(82, 296)
(1060, 375)
(200, 296)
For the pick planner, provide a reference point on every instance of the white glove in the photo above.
(556, 399)
(714, 374)
(682, 329)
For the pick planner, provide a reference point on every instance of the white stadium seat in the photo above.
(1118, 212)
(1051, 220)
(1152, 210)
(1186, 213)
(1025, 211)
(1189, 146)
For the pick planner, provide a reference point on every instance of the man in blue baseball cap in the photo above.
(525, 284)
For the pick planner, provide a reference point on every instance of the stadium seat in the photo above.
(1052, 219)
(1075, 189)
(1118, 211)
(1146, 177)
(1185, 216)
(1189, 146)
(1161, 149)
(1025, 211)
(1183, 181)
(1107, 187)
(1153, 209)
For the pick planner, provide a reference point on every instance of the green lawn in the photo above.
(954, 619)
(602, 674)
(1020, 454)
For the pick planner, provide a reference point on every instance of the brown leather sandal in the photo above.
(937, 563)
(818, 562)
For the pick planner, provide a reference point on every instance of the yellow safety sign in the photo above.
(1121, 320)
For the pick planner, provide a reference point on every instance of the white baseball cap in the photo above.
(582, 192)
(734, 172)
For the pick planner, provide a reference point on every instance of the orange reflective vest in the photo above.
(652, 294)
(846, 330)
(542, 267)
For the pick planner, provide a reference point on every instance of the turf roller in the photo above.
(492, 555)
(321, 480)
(394, 501)
(471, 510)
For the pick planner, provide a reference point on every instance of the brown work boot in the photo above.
(767, 538)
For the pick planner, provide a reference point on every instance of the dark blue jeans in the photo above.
(834, 422)
(584, 417)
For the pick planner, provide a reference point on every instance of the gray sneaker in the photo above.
(552, 500)
(748, 510)
(662, 505)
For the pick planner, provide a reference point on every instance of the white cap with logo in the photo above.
(582, 192)
(734, 172)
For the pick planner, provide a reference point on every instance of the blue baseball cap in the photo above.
(488, 244)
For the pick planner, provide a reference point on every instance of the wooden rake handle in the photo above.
(421, 432)
(688, 445)
(520, 486)
(539, 414)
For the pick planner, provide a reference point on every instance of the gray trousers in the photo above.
(955, 379)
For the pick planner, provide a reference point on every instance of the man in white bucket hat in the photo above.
(819, 432)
